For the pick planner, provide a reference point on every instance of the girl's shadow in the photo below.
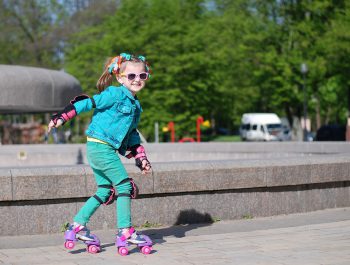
(187, 220)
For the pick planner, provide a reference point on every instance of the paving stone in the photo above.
(311, 238)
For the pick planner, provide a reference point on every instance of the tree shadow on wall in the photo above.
(187, 220)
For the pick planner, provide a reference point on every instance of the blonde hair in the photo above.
(106, 79)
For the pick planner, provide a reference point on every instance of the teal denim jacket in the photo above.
(115, 119)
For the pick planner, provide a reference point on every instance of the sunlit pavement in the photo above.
(321, 237)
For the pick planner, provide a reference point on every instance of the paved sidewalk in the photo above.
(321, 237)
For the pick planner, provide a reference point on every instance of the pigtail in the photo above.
(106, 78)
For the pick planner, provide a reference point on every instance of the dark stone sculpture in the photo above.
(35, 90)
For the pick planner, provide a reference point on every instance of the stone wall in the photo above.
(276, 178)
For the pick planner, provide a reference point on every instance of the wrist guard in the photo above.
(139, 153)
(69, 112)
(65, 115)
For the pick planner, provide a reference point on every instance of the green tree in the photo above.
(296, 33)
(177, 90)
(220, 59)
(337, 55)
(30, 33)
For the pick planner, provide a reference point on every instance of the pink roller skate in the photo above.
(79, 232)
(128, 236)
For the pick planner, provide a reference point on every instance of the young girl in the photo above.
(113, 128)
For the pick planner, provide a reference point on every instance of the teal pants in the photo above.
(108, 170)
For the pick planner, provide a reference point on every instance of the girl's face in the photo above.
(133, 77)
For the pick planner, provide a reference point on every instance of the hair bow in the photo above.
(117, 61)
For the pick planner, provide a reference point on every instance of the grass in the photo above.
(148, 225)
(247, 217)
(216, 219)
(227, 138)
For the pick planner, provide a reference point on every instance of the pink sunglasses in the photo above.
(132, 76)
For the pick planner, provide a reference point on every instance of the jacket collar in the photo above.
(127, 93)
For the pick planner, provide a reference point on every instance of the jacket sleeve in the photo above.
(99, 101)
(106, 98)
(134, 138)
(83, 105)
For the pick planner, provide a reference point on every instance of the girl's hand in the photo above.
(141, 161)
(53, 125)
(146, 167)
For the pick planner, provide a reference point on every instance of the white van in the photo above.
(261, 127)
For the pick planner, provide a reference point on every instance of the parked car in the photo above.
(261, 127)
(331, 132)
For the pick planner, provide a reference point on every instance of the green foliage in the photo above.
(185, 55)
(217, 59)
(30, 33)
(64, 227)
(227, 138)
(149, 225)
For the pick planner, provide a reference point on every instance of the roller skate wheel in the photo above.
(93, 249)
(146, 250)
(123, 251)
(69, 244)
